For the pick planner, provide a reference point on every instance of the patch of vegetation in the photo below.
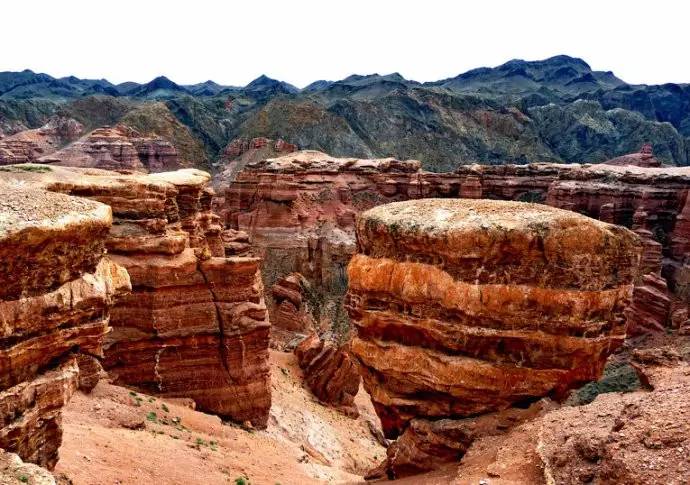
(242, 480)
(23, 478)
(165, 408)
(366, 199)
(534, 196)
(618, 377)
(152, 417)
(26, 168)
(137, 398)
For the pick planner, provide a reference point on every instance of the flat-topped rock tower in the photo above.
(463, 307)
(57, 289)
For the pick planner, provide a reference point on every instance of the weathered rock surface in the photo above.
(639, 437)
(428, 445)
(29, 145)
(645, 158)
(13, 471)
(466, 307)
(299, 210)
(289, 308)
(241, 151)
(330, 373)
(117, 148)
(195, 324)
(55, 301)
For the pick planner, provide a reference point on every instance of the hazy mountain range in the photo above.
(557, 109)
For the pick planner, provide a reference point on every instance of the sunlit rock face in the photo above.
(464, 307)
(195, 324)
(299, 209)
(56, 294)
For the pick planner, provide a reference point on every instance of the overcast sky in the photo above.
(300, 41)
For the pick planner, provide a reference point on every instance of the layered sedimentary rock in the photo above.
(466, 307)
(117, 148)
(299, 210)
(241, 151)
(29, 145)
(56, 291)
(330, 373)
(195, 324)
(289, 310)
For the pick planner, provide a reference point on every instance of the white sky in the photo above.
(300, 41)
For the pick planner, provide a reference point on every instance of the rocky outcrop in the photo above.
(195, 324)
(117, 148)
(288, 309)
(29, 145)
(428, 445)
(14, 471)
(56, 292)
(330, 373)
(299, 211)
(466, 307)
(241, 151)
(645, 158)
(638, 437)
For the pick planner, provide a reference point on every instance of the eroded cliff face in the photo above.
(195, 324)
(29, 145)
(469, 307)
(299, 210)
(330, 372)
(117, 148)
(56, 293)
(464, 307)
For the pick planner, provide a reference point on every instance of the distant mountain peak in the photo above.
(264, 82)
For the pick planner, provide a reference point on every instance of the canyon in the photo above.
(195, 324)
(300, 210)
(339, 260)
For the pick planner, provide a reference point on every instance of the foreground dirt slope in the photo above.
(113, 437)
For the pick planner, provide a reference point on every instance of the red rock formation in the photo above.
(27, 146)
(428, 445)
(241, 151)
(117, 148)
(289, 310)
(14, 470)
(195, 324)
(645, 158)
(56, 291)
(466, 307)
(330, 373)
(299, 209)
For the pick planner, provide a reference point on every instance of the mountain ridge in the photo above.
(556, 109)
